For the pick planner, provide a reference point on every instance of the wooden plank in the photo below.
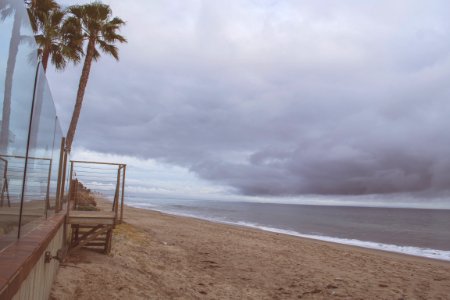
(91, 217)
(84, 226)
(92, 244)
(108, 242)
(90, 221)
(96, 163)
(93, 214)
(102, 240)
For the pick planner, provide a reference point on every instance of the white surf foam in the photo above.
(410, 250)
(142, 205)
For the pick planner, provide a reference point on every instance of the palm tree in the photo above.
(95, 23)
(55, 42)
(53, 39)
(10, 8)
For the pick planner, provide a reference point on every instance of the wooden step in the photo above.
(96, 237)
(95, 244)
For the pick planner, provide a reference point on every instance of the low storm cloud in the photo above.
(278, 97)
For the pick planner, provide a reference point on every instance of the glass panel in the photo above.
(23, 98)
(17, 73)
(39, 199)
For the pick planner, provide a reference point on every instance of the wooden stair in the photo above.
(92, 229)
(94, 237)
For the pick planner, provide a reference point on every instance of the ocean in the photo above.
(420, 232)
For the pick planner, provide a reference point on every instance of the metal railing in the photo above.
(105, 182)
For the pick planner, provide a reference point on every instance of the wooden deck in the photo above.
(91, 217)
(91, 229)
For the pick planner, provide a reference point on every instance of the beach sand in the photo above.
(159, 256)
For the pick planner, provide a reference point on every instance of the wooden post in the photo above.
(70, 188)
(5, 183)
(116, 196)
(66, 244)
(58, 204)
(95, 162)
(47, 194)
(63, 182)
(108, 241)
(123, 191)
(74, 194)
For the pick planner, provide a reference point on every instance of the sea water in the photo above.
(420, 232)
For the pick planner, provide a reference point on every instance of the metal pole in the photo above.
(30, 157)
(123, 191)
(30, 124)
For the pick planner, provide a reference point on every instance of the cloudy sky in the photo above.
(272, 98)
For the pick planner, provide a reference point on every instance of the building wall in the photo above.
(38, 283)
(24, 274)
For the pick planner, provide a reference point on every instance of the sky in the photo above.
(272, 98)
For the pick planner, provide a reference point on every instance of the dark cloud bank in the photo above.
(282, 99)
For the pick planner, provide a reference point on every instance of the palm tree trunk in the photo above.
(80, 94)
(45, 57)
(10, 66)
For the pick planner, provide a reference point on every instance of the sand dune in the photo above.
(158, 256)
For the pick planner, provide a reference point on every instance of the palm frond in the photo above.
(76, 10)
(109, 49)
(72, 53)
(58, 36)
(96, 23)
(112, 37)
(96, 55)
(58, 59)
(56, 17)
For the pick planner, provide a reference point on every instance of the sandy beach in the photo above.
(159, 256)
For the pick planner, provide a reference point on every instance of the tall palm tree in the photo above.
(95, 23)
(56, 43)
(10, 8)
(54, 40)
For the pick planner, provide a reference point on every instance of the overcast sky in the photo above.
(273, 98)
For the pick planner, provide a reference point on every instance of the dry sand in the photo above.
(158, 256)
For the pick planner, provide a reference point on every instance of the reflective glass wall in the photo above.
(30, 133)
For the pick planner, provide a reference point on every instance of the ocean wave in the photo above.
(410, 250)
(144, 205)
